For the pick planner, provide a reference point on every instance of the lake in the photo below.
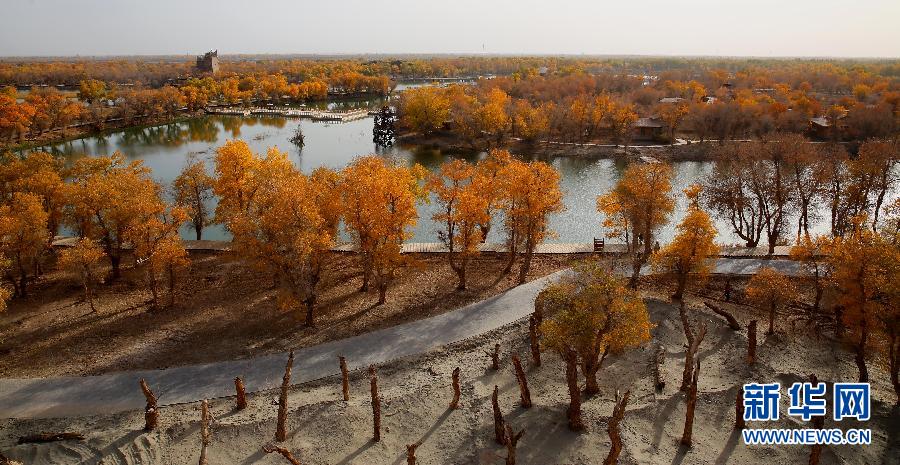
(165, 149)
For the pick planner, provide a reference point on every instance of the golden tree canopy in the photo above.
(593, 309)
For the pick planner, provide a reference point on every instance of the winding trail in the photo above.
(116, 392)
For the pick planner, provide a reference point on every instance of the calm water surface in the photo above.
(166, 148)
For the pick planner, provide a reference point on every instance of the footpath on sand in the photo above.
(116, 392)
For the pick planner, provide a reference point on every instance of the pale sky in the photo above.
(839, 28)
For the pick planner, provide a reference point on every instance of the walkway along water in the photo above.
(116, 392)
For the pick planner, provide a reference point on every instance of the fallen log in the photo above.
(50, 437)
(732, 322)
(270, 448)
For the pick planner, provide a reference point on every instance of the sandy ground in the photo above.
(323, 429)
(224, 311)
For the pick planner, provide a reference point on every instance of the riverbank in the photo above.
(682, 150)
(74, 132)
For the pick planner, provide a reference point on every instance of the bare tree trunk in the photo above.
(894, 361)
(615, 435)
(512, 439)
(382, 293)
(376, 404)
(454, 404)
(345, 378)
(771, 329)
(751, 342)
(411, 453)
(861, 353)
(694, 340)
(241, 400)
(818, 423)
(524, 393)
(499, 424)
(270, 448)
(281, 430)
(204, 431)
(495, 357)
(739, 423)
(691, 405)
(535, 342)
(151, 411)
(526, 265)
(658, 358)
(574, 411)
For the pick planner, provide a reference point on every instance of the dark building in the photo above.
(208, 62)
(648, 129)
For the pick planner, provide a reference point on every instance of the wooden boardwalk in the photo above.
(315, 115)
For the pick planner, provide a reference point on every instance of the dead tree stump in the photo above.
(241, 401)
(495, 357)
(411, 453)
(345, 378)
(535, 342)
(615, 436)
(658, 359)
(524, 393)
(751, 343)
(281, 430)
(454, 404)
(376, 404)
(512, 439)
(270, 448)
(204, 431)
(818, 422)
(151, 411)
(499, 424)
(574, 411)
(739, 423)
(691, 405)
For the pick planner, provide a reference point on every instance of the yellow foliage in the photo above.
(692, 247)
(23, 236)
(594, 314)
(379, 201)
(193, 189)
(424, 109)
(770, 291)
(463, 208)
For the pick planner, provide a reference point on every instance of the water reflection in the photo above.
(165, 148)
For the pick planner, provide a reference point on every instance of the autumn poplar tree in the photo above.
(529, 195)
(42, 174)
(640, 204)
(193, 190)
(23, 238)
(83, 259)
(288, 227)
(234, 162)
(424, 109)
(770, 291)
(694, 244)
(462, 208)
(379, 200)
(108, 197)
(592, 315)
(864, 272)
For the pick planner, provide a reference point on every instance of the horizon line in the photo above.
(454, 54)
